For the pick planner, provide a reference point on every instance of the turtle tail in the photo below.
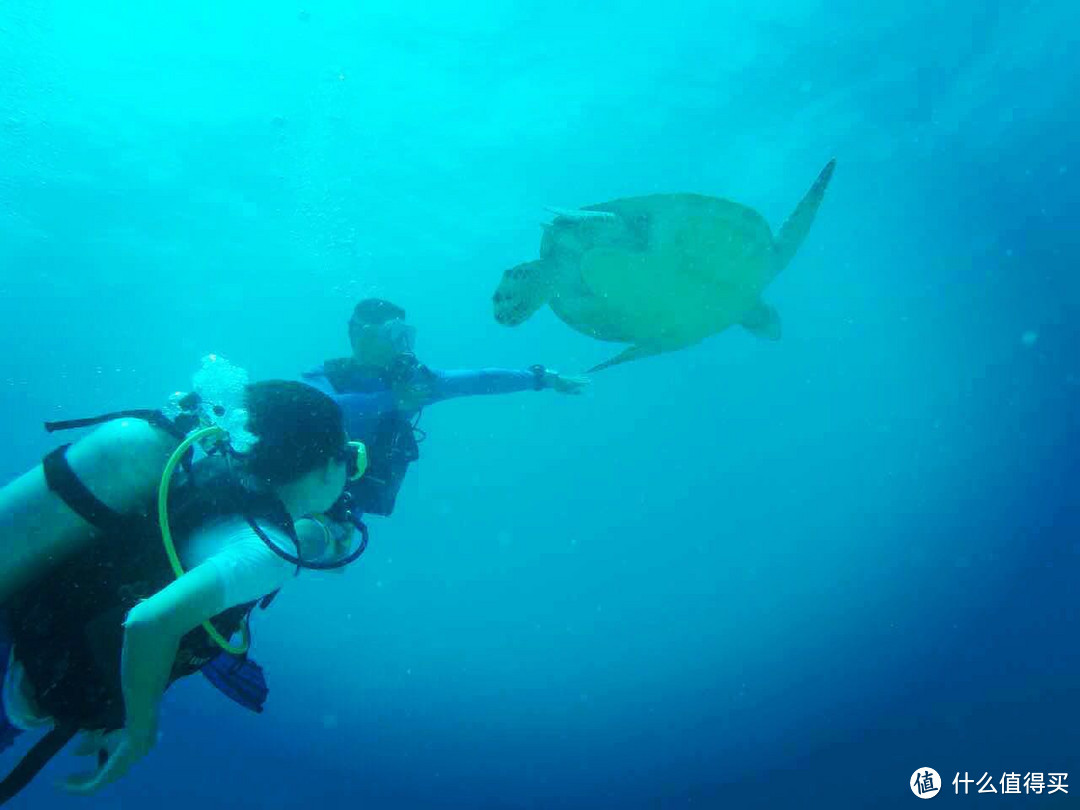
(522, 291)
(793, 232)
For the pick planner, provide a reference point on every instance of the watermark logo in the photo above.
(1013, 782)
(925, 783)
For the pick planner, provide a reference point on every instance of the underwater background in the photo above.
(747, 574)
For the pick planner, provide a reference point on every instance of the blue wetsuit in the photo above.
(362, 409)
(373, 416)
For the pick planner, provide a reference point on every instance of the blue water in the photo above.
(748, 574)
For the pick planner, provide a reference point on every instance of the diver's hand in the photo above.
(98, 744)
(563, 384)
(116, 752)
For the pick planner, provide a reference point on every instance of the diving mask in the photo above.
(399, 335)
(354, 456)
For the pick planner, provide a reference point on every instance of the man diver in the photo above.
(382, 388)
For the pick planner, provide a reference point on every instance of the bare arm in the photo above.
(152, 636)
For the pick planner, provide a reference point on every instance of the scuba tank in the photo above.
(120, 464)
(55, 509)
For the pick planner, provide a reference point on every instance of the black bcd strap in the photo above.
(155, 418)
(63, 481)
(36, 758)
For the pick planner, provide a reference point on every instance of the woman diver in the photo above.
(127, 564)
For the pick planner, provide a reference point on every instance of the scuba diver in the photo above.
(134, 556)
(382, 390)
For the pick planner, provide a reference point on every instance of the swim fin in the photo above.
(240, 679)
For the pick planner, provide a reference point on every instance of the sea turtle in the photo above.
(660, 272)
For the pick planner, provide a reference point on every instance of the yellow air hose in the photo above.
(166, 535)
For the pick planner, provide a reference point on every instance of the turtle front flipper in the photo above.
(633, 353)
(522, 291)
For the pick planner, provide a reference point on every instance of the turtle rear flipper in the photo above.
(522, 291)
(632, 353)
(793, 232)
(762, 322)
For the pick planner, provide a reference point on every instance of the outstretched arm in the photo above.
(480, 382)
(450, 384)
(356, 405)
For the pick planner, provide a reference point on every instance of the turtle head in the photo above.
(521, 292)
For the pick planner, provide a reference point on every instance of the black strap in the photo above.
(419, 434)
(155, 418)
(72, 491)
(36, 758)
(62, 480)
(263, 604)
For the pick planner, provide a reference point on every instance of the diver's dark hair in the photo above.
(299, 428)
(375, 312)
(372, 312)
